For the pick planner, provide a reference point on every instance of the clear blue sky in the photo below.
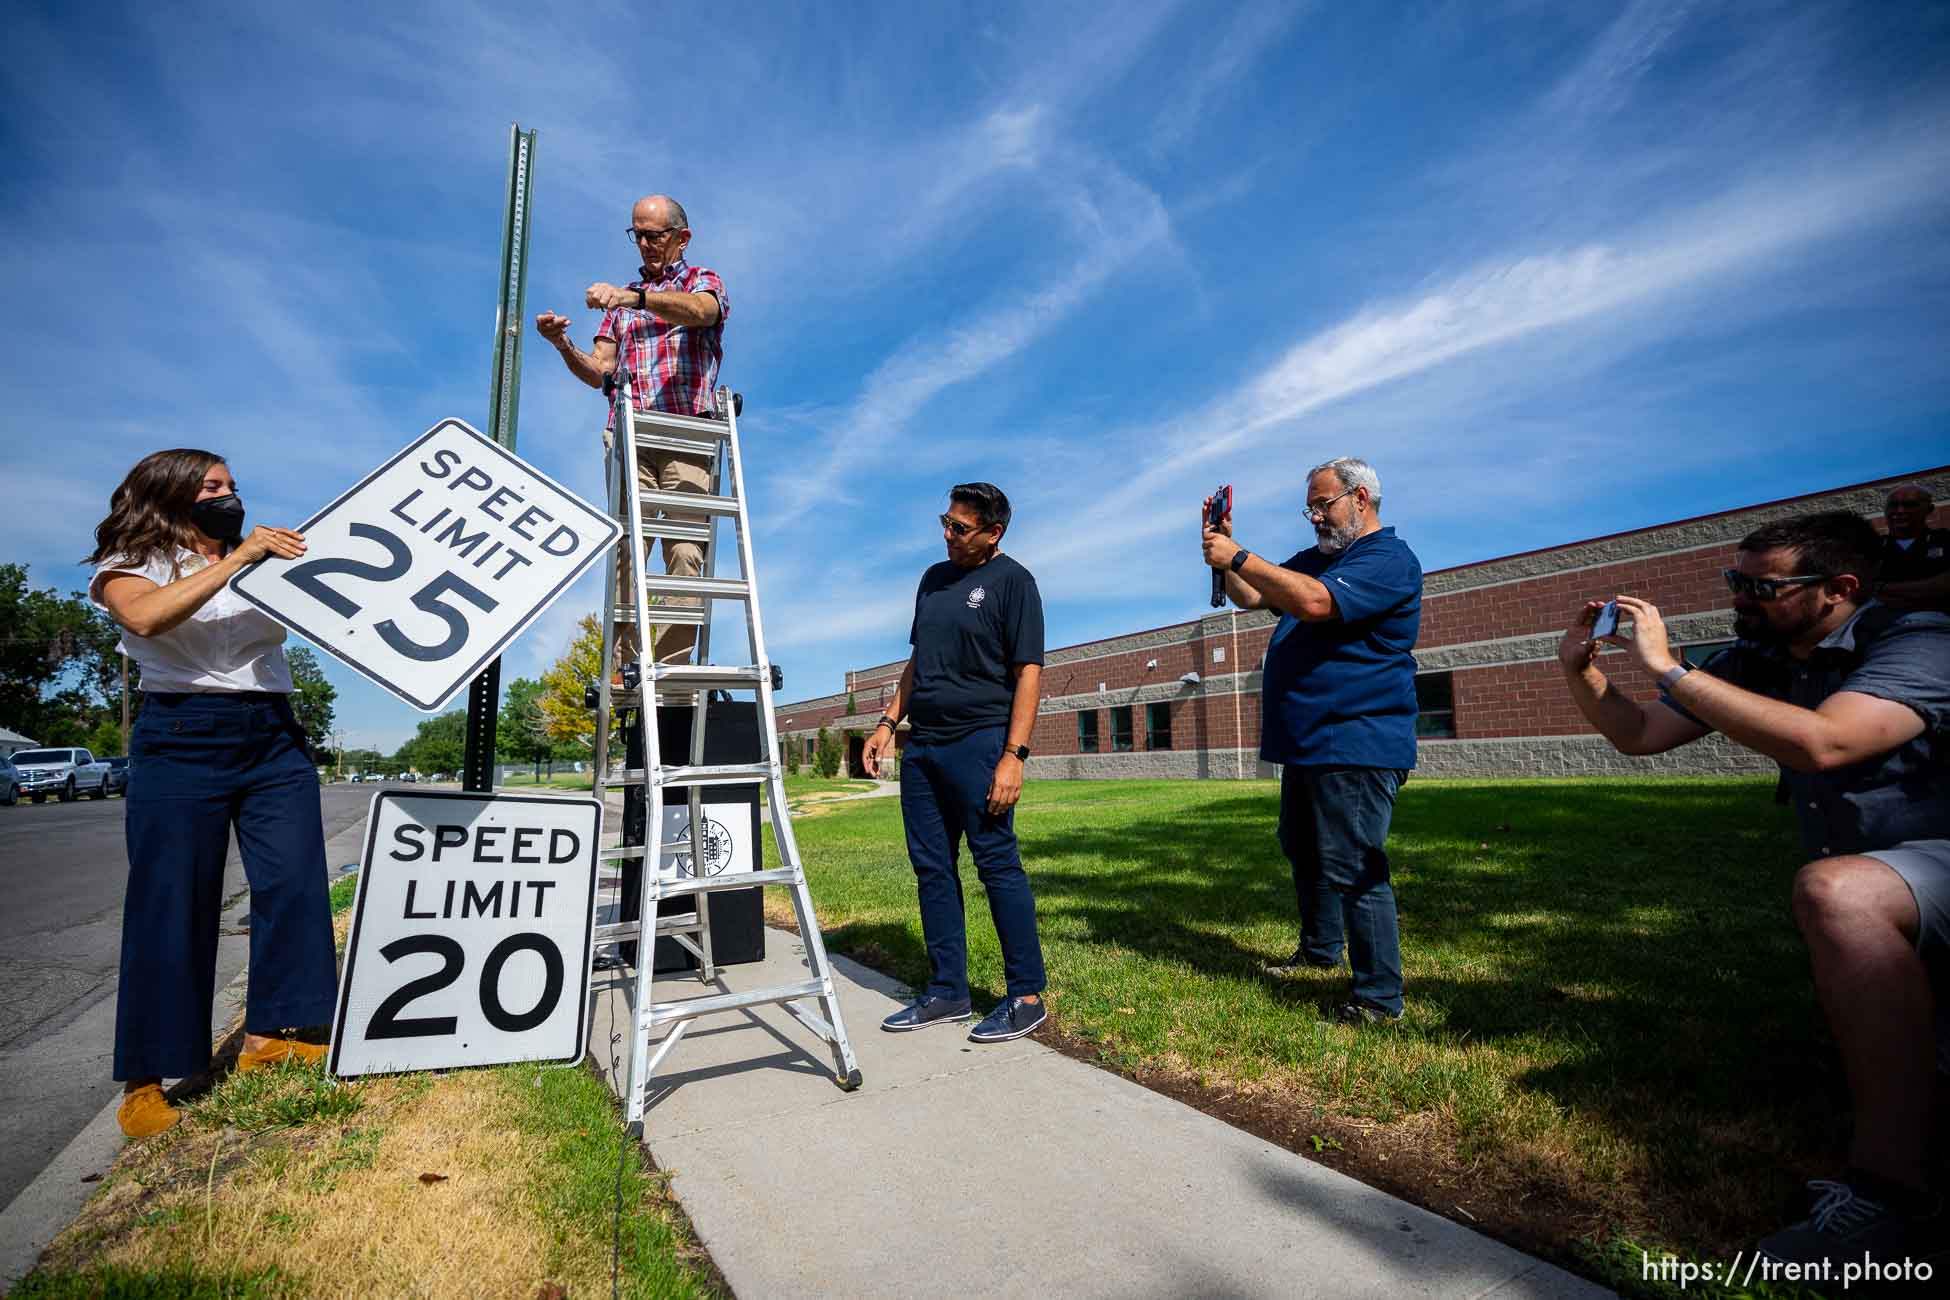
(1557, 270)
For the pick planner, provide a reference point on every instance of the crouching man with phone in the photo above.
(1852, 699)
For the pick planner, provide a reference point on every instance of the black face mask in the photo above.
(220, 517)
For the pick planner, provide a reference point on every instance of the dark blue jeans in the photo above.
(1333, 829)
(201, 765)
(944, 796)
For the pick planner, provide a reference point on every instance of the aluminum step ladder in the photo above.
(814, 1002)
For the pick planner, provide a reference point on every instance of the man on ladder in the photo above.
(668, 326)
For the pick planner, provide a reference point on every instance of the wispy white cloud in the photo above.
(1603, 81)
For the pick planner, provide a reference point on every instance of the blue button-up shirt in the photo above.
(1341, 691)
(1895, 797)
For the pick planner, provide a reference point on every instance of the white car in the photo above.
(64, 773)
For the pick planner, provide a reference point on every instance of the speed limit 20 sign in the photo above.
(471, 933)
(425, 569)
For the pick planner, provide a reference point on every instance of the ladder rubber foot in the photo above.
(851, 1083)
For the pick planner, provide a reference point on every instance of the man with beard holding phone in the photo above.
(1338, 694)
(1852, 698)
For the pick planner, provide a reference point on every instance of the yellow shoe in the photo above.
(280, 1049)
(144, 1112)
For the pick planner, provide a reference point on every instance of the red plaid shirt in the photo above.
(670, 367)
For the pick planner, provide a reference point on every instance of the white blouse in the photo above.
(228, 644)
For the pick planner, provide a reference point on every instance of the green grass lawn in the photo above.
(559, 781)
(1609, 1014)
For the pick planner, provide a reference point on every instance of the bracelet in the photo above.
(886, 722)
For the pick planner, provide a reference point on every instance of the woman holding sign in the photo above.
(215, 748)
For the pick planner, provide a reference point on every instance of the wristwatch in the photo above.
(1670, 677)
(887, 722)
(1020, 751)
(1239, 559)
(642, 299)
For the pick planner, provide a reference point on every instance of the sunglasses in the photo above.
(639, 236)
(1766, 588)
(957, 527)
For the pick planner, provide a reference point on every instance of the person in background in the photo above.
(970, 688)
(1339, 702)
(1915, 567)
(215, 749)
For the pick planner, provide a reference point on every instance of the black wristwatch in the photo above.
(1020, 751)
(642, 299)
(887, 722)
(1239, 559)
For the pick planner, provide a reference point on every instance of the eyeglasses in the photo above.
(636, 236)
(1318, 510)
(1766, 588)
(958, 528)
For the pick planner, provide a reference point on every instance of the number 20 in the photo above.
(309, 577)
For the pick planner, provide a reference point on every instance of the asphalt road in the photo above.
(63, 868)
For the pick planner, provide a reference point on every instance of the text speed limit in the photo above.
(422, 572)
(471, 933)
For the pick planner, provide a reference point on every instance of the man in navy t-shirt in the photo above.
(970, 690)
(1338, 699)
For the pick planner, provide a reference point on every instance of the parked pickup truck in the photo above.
(66, 773)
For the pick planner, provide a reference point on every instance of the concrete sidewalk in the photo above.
(1004, 1170)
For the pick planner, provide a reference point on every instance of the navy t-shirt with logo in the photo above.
(970, 627)
(1341, 691)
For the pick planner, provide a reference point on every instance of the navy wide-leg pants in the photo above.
(201, 765)
(944, 796)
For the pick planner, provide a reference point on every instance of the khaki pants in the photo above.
(669, 472)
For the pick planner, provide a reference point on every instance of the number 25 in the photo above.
(309, 577)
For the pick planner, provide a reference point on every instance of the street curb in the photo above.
(47, 1205)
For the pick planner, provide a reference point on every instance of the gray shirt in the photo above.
(1894, 797)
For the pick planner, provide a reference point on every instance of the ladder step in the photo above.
(663, 1013)
(625, 931)
(668, 615)
(674, 776)
(620, 852)
(678, 530)
(685, 886)
(643, 422)
(696, 503)
(705, 677)
(666, 584)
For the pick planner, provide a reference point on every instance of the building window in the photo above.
(1435, 700)
(1087, 731)
(1121, 740)
(1157, 726)
(1699, 653)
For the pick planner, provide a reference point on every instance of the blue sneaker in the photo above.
(1012, 1018)
(925, 1011)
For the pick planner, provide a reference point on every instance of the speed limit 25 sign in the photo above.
(471, 934)
(425, 569)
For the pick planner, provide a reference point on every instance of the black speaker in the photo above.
(737, 915)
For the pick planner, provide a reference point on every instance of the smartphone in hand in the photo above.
(1606, 624)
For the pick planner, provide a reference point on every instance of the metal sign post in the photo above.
(504, 391)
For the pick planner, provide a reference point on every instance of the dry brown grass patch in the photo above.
(341, 1207)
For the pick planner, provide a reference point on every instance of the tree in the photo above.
(47, 639)
(521, 731)
(440, 745)
(106, 738)
(311, 698)
(826, 754)
(566, 720)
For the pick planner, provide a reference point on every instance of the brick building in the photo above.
(1183, 700)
